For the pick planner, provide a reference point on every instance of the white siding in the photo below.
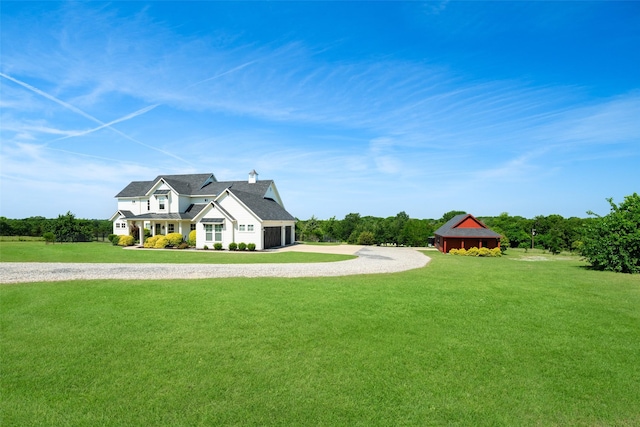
(120, 226)
(243, 217)
(273, 194)
(133, 205)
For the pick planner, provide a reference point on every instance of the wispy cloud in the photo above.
(90, 117)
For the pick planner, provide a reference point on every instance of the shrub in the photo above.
(233, 246)
(484, 252)
(366, 238)
(49, 237)
(161, 243)
(192, 238)
(114, 239)
(126, 240)
(147, 233)
(612, 242)
(251, 246)
(217, 246)
(151, 241)
(242, 246)
(174, 239)
(205, 247)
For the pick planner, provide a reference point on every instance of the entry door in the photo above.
(158, 229)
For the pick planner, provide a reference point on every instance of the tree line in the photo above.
(553, 232)
(64, 228)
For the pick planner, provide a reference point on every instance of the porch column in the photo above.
(141, 231)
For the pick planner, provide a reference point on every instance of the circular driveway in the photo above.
(370, 260)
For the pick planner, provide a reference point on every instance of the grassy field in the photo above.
(105, 252)
(516, 340)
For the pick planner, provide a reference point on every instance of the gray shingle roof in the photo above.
(135, 188)
(194, 185)
(449, 229)
(266, 209)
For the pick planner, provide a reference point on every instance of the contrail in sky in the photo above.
(93, 119)
(107, 125)
(239, 67)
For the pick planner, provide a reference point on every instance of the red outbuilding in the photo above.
(465, 231)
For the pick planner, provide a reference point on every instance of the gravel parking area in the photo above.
(370, 260)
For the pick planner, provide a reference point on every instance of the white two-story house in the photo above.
(248, 211)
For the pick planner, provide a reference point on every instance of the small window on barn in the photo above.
(241, 227)
(250, 227)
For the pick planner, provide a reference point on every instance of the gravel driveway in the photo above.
(370, 260)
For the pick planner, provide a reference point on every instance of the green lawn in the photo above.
(105, 252)
(463, 341)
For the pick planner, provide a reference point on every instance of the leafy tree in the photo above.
(49, 237)
(447, 216)
(66, 227)
(366, 238)
(417, 232)
(612, 242)
(347, 226)
(399, 223)
(6, 229)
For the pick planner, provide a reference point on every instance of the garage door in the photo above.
(272, 237)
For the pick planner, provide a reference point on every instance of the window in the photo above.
(161, 203)
(148, 205)
(218, 232)
(250, 227)
(241, 227)
(193, 227)
(208, 228)
(170, 228)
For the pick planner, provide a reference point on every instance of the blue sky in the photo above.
(530, 108)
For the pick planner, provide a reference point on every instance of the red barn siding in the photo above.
(448, 243)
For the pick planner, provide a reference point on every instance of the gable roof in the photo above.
(452, 228)
(202, 184)
(266, 209)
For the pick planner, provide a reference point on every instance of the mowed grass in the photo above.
(107, 253)
(463, 341)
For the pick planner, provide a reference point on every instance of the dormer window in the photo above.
(161, 202)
